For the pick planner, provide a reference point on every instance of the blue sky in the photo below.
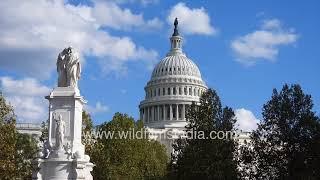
(244, 49)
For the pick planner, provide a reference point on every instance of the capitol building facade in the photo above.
(174, 85)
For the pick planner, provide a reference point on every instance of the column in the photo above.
(164, 112)
(151, 113)
(170, 112)
(177, 112)
(183, 112)
(154, 113)
(147, 114)
(144, 115)
(158, 108)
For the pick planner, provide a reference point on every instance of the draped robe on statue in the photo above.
(69, 68)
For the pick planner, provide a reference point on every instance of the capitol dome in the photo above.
(175, 83)
(177, 64)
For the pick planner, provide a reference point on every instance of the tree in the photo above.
(7, 140)
(26, 149)
(16, 150)
(44, 132)
(130, 157)
(206, 158)
(87, 128)
(286, 144)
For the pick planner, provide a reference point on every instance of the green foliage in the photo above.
(87, 128)
(206, 158)
(286, 144)
(26, 148)
(44, 132)
(7, 140)
(16, 150)
(87, 124)
(127, 158)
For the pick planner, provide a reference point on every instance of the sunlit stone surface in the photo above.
(63, 156)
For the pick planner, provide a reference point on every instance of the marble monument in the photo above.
(63, 156)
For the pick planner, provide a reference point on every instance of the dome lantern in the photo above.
(176, 40)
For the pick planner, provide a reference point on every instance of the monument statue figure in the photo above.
(63, 156)
(60, 130)
(68, 68)
(61, 69)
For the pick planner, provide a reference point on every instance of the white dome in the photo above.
(176, 64)
(174, 85)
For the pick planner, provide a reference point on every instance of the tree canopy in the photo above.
(16, 150)
(127, 158)
(286, 144)
(7, 139)
(206, 158)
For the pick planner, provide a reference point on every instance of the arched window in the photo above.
(190, 91)
(180, 91)
(169, 91)
(174, 91)
(185, 90)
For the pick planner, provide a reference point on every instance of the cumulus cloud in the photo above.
(33, 33)
(109, 14)
(264, 43)
(192, 21)
(27, 97)
(246, 121)
(98, 108)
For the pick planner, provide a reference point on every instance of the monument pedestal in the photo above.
(63, 154)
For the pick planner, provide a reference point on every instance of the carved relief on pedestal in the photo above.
(60, 131)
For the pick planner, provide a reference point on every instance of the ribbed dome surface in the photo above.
(175, 84)
(176, 64)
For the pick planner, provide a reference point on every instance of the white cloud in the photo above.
(27, 97)
(98, 108)
(191, 21)
(246, 121)
(264, 43)
(109, 14)
(35, 31)
(271, 24)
